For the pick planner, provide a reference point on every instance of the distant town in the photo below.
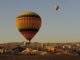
(23, 48)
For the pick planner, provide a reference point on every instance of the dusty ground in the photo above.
(25, 57)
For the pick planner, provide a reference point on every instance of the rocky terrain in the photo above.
(39, 51)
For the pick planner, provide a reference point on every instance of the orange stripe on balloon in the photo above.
(29, 32)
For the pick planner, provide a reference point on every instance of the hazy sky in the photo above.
(61, 26)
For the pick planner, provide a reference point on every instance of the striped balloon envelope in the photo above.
(28, 24)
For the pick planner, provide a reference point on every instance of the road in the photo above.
(27, 57)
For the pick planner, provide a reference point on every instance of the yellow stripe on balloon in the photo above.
(28, 24)
(27, 13)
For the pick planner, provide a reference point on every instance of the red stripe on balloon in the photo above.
(28, 18)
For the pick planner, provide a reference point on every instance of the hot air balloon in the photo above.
(56, 7)
(28, 24)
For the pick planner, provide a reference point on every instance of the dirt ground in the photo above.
(25, 57)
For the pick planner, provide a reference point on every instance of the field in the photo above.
(25, 57)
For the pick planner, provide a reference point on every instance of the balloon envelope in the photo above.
(28, 24)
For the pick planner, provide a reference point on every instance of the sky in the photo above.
(61, 26)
